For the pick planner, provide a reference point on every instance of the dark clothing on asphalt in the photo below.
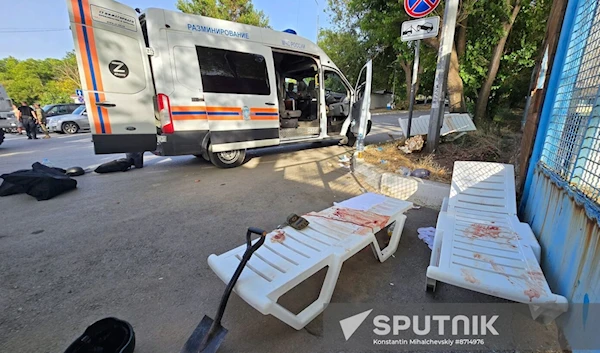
(30, 126)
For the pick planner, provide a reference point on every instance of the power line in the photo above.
(9, 30)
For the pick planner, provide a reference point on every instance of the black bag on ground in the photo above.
(119, 165)
(51, 170)
(7, 189)
(43, 183)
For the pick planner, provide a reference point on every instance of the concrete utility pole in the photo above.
(441, 75)
(413, 87)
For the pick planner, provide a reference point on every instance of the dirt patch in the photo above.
(490, 145)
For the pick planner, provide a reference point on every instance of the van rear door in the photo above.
(115, 75)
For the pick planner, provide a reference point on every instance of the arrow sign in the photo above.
(420, 29)
(79, 92)
(420, 8)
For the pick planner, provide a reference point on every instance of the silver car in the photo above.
(69, 123)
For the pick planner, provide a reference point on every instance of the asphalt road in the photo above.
(134, 245)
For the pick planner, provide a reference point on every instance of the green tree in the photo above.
(241, 11)
(495, 48)
(44, 81)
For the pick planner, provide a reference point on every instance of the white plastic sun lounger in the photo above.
(481, 245)
(288, 256)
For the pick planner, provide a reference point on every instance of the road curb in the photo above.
(423, 192)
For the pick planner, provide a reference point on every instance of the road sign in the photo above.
(420, 8)
(81, 100)
(79, 92)
(422, 28)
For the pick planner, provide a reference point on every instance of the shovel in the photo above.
(209, 333)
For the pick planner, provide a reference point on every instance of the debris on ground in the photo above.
(412, 144)
(493, 145)
(421, 173)
(427, 235)
(404, 164)
(404, 171)
(344, 159)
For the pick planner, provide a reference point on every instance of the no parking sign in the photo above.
(420, 8)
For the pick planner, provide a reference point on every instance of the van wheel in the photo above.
(228, 159)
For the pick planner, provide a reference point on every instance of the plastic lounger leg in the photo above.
(435, 258)
(385, 254)
(314, 309)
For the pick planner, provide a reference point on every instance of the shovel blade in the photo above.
(203, 340)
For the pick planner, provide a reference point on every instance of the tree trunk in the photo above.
(461, 38)
(454, 87)
(486, 88)
(407, 68)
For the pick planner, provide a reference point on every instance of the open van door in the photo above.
(115, 75)
(362, 101)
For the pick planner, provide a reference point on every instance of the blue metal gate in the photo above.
(561, 195)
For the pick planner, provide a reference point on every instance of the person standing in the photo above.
(18, 116)
(41, 119)
(28, 120)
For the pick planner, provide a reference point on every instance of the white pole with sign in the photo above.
(416, 30)
(441, 75)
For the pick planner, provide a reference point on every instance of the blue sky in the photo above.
(30, 15)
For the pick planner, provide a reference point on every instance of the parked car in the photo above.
(60, 109)
(69, 123)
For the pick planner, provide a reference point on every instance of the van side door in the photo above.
(239, 86)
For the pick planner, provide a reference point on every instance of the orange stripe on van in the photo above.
(75, 7)
(91, 67)
(88, 86)
(264, 117)
(224, 109)
(93, 107)
(86, 12)
(188, 108)
(264, 110)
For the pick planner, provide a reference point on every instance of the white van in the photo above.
(180, 84)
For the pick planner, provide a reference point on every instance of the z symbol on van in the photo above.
(118, 69)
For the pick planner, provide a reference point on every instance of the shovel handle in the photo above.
(257, 231)
(250, 249)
